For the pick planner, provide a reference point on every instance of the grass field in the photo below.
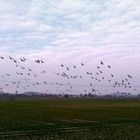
(70, 119)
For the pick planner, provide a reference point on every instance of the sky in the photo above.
(71, 32)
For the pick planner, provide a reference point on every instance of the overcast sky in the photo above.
(70, 32)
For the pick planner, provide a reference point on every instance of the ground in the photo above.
(70, 119)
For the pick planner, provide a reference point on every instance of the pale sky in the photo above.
(70, 32)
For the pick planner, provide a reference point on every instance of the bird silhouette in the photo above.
(102, 63)
(1, 57)
(109, 66)
(10, 57)
(129, 76)
(112, 75)
(41, 61)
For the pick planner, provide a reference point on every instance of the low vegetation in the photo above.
(70, 119)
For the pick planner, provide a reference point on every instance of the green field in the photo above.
(70, 119)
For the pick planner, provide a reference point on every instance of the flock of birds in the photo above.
(93, 80)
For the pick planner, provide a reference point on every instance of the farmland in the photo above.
(70, 119)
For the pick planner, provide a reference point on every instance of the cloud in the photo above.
(48, 22)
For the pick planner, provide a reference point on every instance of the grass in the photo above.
(70, 119)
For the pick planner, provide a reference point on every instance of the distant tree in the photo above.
(66, 95)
